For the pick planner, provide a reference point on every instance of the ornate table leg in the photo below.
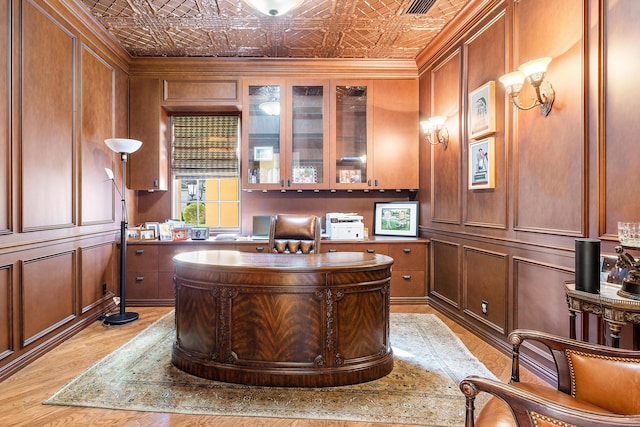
(572, 324)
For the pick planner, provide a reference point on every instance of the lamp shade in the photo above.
(274, 7)
(536, 66)
(438, 121)
(123, 145)
(427, 126)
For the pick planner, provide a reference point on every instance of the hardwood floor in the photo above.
(23, 393)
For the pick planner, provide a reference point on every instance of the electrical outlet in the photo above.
(485, 307)
(104, 289)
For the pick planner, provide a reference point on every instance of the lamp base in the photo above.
(121, 318)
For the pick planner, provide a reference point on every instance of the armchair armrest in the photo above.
(529, 409)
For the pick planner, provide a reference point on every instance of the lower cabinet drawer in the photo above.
(142, 285)
(408, 283)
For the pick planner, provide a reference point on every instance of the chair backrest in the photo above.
(294, 234)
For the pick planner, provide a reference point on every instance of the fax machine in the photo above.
(344, 226)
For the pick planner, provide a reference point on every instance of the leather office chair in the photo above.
(295, 234)
(596, 386)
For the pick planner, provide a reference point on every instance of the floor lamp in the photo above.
(124, 147)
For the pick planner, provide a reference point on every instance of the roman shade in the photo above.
(205, 147)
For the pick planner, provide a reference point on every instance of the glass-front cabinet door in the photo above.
(309, 154)
(285, 135)
(351, 103)
(263, 126)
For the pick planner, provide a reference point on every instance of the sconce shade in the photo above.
(426, 126)
(535, 66)
(123, 145)
(512, 79)
(274, 7)
(438, 121)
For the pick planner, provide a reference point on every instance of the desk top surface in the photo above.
(231, 260)
(608, 295)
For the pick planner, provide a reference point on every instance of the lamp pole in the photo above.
(124, 147)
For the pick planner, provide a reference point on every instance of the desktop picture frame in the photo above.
(482, 110)
(147, 234)
(395, 219)
(200, 233)
(179, 234)
(482, 164)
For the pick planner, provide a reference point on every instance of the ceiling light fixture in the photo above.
(274, 7)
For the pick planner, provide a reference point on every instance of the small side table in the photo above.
(616, 311)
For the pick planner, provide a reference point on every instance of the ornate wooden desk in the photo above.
(616, 311)
(283, 320)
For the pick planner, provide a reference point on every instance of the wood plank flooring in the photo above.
(22, 394)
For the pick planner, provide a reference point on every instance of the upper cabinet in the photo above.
(285, 135)
(395, 134)
(149, 166)
(351, 135)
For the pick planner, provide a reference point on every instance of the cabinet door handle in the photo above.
(259, 249)
(406, 250)
(139, 278)
(375, 182)
(371, 251)
(333, 250)
(406, 277)
(139, 251)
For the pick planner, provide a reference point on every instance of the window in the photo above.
(206, 171)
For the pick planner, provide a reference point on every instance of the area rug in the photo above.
(422, 389)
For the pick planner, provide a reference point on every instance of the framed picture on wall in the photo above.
(482, 164)
(395, 219)
(482, 110)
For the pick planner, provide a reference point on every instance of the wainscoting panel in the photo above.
(5, 133)
(540, 285)
(97, 103)
(550, 152)
(6, 325)
(485, 285)
(48, 105)
(47, 294)
(486, 51)
(445, 166)
(96, 270)
(619, 147)
(445, 280)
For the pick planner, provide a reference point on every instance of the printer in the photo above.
(344, 226)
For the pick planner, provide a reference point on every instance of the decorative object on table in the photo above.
(609, 270)
(587, 265)
(124, 147)
(133, 233)
(147, 234)
(482, 164)
(629, 236)
(395, 219)
(482, 111)
(199, 233)
(155, 226)
(179, 234)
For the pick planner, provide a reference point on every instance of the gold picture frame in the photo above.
(482, 110)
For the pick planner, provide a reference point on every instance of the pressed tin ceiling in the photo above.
(391, 29)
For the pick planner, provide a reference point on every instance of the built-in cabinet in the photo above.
(285, 134)
(339, 134)
(150, 267)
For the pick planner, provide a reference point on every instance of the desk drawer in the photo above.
(142, 257)
(409, 256)
(407, 283)
(142, 285)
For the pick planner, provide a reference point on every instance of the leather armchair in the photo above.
(295, 234)
(596, 386)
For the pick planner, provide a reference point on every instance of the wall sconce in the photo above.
(534, 71)
(435, 131)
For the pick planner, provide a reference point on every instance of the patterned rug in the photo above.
(422, 389)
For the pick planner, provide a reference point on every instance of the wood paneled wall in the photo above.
(65, 91)
(558, 178)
